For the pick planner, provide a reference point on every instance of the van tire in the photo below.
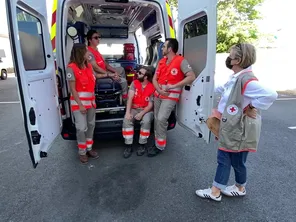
(3, 74)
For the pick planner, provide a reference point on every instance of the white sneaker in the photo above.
(233, 191)
(207, 194)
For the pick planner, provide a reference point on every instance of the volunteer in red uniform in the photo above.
(172, 73)
(82, 84)
(139, 107)
(100, 66)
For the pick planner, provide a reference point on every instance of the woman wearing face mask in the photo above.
(82, 84)
(242, 98)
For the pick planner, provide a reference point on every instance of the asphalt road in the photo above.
(140, 188)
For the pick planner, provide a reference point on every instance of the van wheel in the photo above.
(3, 74)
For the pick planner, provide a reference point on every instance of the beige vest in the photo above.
(239, 132)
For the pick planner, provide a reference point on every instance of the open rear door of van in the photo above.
(197, 42)
(35, 72)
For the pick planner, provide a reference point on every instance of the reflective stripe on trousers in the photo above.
(144, 134)
(89, 142)
(128, 127)
(162, 112)
(127, 132)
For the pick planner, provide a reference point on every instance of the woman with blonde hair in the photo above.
(238, 122)
(82, 85)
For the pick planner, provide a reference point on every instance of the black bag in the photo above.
(108, 93)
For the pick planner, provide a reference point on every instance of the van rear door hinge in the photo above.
(64, 99)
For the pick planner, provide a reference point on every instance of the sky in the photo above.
(277, 14)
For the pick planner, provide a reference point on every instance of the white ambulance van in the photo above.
(41, 57)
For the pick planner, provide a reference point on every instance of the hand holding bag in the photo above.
(213, 122)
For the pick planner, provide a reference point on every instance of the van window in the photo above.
(195, 43)
(110, 49)
(150, 21)
(142, 42)
(31, 41)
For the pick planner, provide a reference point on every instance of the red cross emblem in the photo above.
(232, 109)
(174, 71)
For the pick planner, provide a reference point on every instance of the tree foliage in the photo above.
(173, 3)
(236, 22)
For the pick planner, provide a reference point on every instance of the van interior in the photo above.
(132, 33)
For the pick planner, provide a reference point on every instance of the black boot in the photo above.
(128, 151)
(141, 150)
(153, 151)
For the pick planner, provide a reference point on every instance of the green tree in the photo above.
(236, 22)
(173, 3)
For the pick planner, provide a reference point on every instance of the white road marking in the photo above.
(286, 99)
(292, 127)
(2, 151)
(10, 102)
